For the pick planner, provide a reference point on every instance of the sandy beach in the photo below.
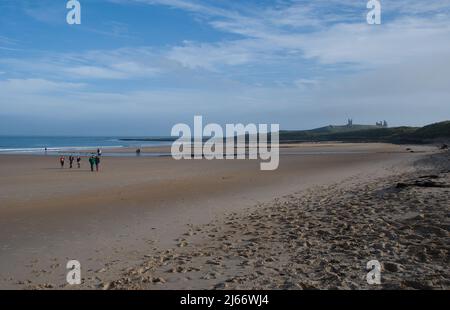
(156, 223)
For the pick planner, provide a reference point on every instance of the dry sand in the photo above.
(159, 223)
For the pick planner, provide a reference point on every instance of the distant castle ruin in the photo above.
(382, 124)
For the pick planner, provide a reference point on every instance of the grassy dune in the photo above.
(361, 133)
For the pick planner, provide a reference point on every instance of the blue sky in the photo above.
(137, 67)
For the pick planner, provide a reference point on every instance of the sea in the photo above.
(46, 144)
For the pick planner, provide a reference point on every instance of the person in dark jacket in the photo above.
(92, 162)
(97, 162)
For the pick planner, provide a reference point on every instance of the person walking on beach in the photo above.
(92, 162)
(61, 161)
(79, 162)
(97, 162)
(99, 152)
(71, 159)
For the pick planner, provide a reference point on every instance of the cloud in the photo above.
(36, 86)
(329, 32)
(123, 63)
(357, 44)
(45, 11)
(124, 70)
(7, 41)
(306, 84)
(396, 42)
(92, 72)
(8, 44)
(191, 6)
(211, 56)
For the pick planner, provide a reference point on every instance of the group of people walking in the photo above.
(62, 161)
(94, 160)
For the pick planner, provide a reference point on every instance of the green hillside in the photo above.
(434, 131)
(340, 129)
(363, 133)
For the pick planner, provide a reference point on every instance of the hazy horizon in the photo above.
(150, 135)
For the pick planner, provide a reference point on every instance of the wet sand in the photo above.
(136, 208)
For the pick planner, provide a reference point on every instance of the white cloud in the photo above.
(338, 36)
(358, 44)
(306, 84)
(123, 63)
(36, 86)
(396, 42)
(211, 56)
(8, 44)
(125, 70)
(92, 72)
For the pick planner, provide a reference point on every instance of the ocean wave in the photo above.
(54, 149)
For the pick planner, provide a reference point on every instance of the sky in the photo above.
(138, 67)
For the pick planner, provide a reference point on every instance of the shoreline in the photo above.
(165, 150)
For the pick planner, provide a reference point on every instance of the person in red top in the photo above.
(61, 161)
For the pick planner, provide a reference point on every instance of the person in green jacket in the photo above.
(97, 162)
(92, 162)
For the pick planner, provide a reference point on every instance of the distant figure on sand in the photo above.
(99, 152)
(92, 162)
(61, 161)
(97, 162)
(138, 152)
(71, 159)
(79, 162)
